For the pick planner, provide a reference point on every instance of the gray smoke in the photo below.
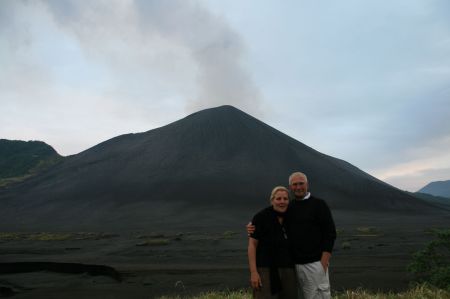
(179, 39)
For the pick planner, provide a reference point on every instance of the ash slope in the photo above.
(214, 167)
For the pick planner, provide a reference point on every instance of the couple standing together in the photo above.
(290, 244)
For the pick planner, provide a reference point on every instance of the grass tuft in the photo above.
(367, 229)
(346, 245)
(53, 236)
(228, 234)
(423, 291)
(242, 294)
(154, 242)
(50, 237)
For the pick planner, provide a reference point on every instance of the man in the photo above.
(312, 233)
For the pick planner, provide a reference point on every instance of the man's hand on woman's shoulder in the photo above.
(250, 228)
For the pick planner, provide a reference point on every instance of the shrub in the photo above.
(432, 264)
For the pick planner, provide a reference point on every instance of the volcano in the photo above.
(215, 166)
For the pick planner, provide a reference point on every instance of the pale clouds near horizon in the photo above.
(365, 82)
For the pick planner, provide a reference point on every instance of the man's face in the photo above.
(299, 186)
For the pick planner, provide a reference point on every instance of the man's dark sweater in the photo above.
(311, 229)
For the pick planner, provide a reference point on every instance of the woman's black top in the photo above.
(273, 245)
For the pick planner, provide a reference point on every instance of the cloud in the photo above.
(375, 75)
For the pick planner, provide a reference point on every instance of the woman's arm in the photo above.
(255, 279)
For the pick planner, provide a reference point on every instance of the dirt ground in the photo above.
(369, 253)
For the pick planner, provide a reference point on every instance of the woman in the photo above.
(272, 272)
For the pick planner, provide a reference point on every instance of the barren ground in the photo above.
(368, 253)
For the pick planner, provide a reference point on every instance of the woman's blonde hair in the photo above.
(276, 189)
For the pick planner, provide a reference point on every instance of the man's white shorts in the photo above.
(313, 280)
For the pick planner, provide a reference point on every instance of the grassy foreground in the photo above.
(419, 292)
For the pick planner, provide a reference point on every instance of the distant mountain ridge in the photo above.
(215, 166)
(438, 188)
(21, 159)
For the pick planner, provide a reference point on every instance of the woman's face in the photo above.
(280, 201)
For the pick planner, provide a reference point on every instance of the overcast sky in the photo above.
(364, 81)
